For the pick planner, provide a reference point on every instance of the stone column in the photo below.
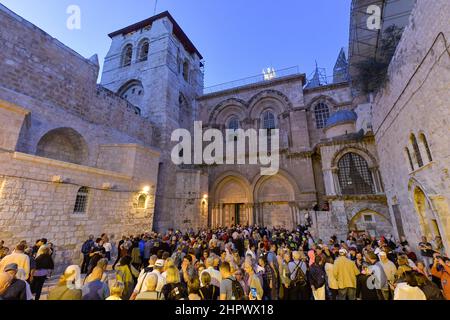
(223, 213)
(216, 215)
(210, 217)
(300, 218)
(261, 214)
(292, 216)
(256, 213)
(250, 214)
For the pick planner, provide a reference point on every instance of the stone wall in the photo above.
(50, 105)
(415, 101)
(59, 85)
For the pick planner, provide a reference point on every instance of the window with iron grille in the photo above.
(81, 201)
(354, 175)
(233, 124)
(269, 120)
(141, 201)
(269, 125)
(416, 151)
(427, 148)
(322, 113)
(409, 159)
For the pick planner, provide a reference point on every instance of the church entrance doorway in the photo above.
(232, 203)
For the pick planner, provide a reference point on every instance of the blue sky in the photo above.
(237, 38)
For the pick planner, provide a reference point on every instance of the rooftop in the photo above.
(268, 77)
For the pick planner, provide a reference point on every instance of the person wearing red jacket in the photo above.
(441, 270)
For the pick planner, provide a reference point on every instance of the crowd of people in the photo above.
(237, 263)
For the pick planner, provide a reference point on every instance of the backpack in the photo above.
(318, 277)
(86, 247)
(176, 293)
(300, 277)
(236, 290)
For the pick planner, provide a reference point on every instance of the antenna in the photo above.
(156, 5)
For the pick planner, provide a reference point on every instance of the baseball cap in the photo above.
(11, 267)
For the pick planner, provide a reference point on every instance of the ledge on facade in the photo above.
(300, 154)
(150, 150)
(327, 87)
(351, 137)
(67, 165)
(13, 107)
(424, 167)
(380, 197)
(260, 84)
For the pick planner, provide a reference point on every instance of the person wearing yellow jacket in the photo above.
(345, 272)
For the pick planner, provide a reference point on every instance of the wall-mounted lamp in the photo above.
(57, 179)
(107, 186)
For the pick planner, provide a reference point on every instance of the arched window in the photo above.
(81, 201)
(354, 175)
(424, 141)
(322, 113)
(416, 151)
(127, 55)
(186, 70)
(408, 154)
(143, 51)
(142, 200)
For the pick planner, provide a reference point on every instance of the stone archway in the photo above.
(428, 221)
(232, 202)
(274, 202)
(63, 144)
(371, 223)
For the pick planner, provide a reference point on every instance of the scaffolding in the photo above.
(364, 43)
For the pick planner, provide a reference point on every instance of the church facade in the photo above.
(82, 158)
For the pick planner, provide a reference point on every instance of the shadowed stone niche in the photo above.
(64, 144)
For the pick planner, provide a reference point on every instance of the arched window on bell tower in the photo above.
(127, 55)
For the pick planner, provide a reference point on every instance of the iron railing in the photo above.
(252, 80)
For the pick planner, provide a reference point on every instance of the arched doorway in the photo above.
(371, 223)
(231, 202)
(427, 219)
(274, 198)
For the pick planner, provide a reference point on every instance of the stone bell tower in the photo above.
(155, 66)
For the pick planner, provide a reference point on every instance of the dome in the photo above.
(341, 116)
